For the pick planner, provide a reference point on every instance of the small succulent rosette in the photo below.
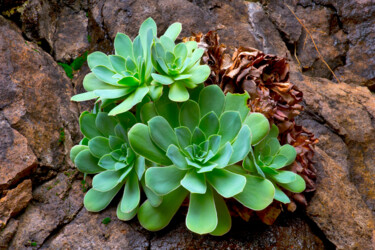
(270, 160)
(197, 142)
(125, 78)
(178, 66)
(105, 152)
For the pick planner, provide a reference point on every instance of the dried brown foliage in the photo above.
(266, 78)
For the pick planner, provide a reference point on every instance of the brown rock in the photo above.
(7, 233)
(14, 201)
(56, 203)
(16, 158)
(287, 233)
(37, 104)
(338, 209)
(60, 29)
(88, 232)
(342, 117)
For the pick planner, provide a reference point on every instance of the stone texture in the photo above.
(7, 234)
(343, 31)
(14, 201)
(338, 209)
(14, 164)
(35, 108)
(87, 231)
(55, 203)
(61, 29)
(37, 101)
(286, 233)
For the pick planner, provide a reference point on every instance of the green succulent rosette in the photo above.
(124, 78)
(197, 143)
(105, 152)
(270, 160)
(178, 66)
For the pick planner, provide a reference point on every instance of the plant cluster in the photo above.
(266, 78)
(156, 129)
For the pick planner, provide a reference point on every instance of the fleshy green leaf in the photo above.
(173, 31)
(211, 98)
(230, 125)
(237, 102)
(258, 125)
(118, 63)
(140, 141)
(148, 111)
(84, 96)
(223, 156)
(223, 216)
(165, 80)
(289, 152)
(105, 124)
(183, 136)
(284, 177)
(99, 146)
(177, 157)
(202, 215)
(113, 93)
(168, 110)
(178, 92)
(163, 180)
(132, 194)
(194, 182)
(104, 74)
(189, 115)
(296, 186)
(241, 146)
(209, 124)
(199, 74)
(76, 150)
(226, 183)
(98, 58)
(107, 162)
(106, 180)
(257, 194)
(152, 198)
(161, 132)
(91, 83)
(123, 45)
(156, 218)
(87, 125)
(129, 102)
(87, 163)
(96, 201)
(125, 216)
(281, 196)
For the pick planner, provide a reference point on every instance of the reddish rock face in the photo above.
(35, 108)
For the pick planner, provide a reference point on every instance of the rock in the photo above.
(7, 233)
(286, 233)
(343, 31)
(56, 203)
(14, 201)
(342, 116)
(37, 104)
(14, 165)
(87, 231)
(71, 38)
(198, 16)
(60, 29)
(338, 209)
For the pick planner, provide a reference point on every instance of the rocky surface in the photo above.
(39, 124)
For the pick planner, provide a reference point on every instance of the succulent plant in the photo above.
(105, 152)
(266, 78)
(178, 66)
(126, 76)
(197, 142)
(270, 160)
